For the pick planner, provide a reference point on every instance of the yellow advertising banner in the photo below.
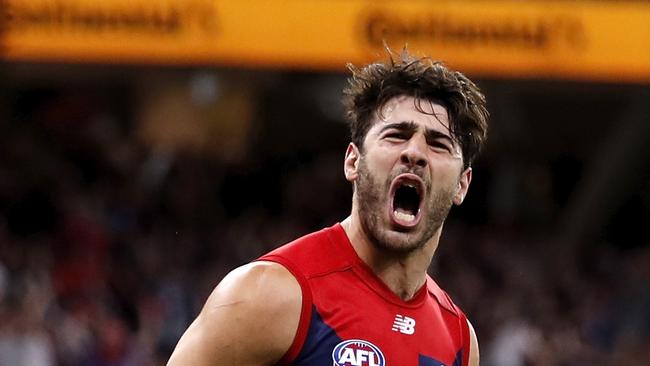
(581, 40)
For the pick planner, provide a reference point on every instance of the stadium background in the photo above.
(137, 168)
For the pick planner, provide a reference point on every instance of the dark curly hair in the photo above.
(372, 86)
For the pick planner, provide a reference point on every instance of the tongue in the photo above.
(403, 215)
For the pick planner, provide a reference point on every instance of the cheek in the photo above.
(380, 161)
(446, 174)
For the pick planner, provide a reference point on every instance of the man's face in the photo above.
(408, 176)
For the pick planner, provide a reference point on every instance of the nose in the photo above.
(414, 153)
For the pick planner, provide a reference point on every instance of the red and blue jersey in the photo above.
(351, 318)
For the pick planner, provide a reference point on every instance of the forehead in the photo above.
(401, 109)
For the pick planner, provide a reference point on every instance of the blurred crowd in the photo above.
(108, 248)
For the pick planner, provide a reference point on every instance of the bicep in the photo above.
(474, 354)
(249, 319)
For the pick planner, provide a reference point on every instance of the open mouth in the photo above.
(406, 202)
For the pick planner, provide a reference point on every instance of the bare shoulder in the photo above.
(263, 284)
(250, 318)
(474, 355)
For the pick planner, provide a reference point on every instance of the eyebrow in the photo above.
(406, 126)
(412, 127)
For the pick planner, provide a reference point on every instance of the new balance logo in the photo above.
(403, 324)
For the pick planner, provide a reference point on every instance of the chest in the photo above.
(353, 324)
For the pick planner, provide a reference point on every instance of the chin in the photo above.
(399, 241)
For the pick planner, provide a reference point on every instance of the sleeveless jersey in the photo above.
(351, 318)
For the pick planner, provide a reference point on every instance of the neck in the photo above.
(404, 274)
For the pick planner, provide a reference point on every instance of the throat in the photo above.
(403, 280)
(407, 289)
(403, 274)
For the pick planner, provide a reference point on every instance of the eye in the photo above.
(440, 145)
(395, 136)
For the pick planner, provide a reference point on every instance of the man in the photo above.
(357, 293)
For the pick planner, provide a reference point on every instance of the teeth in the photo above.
(404, 216)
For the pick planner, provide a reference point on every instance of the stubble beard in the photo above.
(372, 197)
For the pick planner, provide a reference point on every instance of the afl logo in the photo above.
(356, 352)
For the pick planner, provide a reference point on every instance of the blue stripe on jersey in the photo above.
(321, 340)
(428, 361)
(319, 343)
(459, 358)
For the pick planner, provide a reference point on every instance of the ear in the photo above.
(463, 186)
(351, 162)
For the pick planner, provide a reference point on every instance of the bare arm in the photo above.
(473, 346)
(250, 319)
